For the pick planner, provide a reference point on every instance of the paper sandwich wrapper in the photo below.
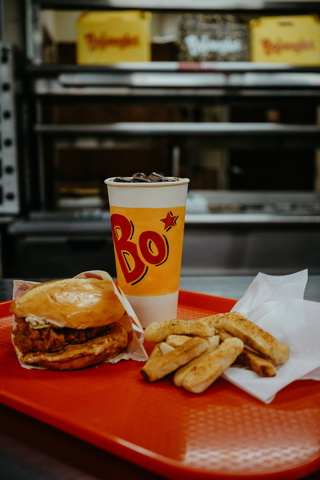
(276, 304)
(134, 349)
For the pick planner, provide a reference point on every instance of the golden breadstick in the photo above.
(224, 335)
(211, 366)
(260, 365)
(255, 337)
(159, 350)
(177, 340)
(182, 371)
(165, 348)
(157, 331)
(156, 352)
(214, 320)
(159, 367)
(250, 359)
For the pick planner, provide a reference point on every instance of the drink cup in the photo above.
(147, 222)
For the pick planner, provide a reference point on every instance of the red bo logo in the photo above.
(154, 249)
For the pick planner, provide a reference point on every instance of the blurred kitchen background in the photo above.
(225, 93)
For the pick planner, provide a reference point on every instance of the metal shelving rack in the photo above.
(34, 7)
(239, 238)
(9, 166)
(241, 82)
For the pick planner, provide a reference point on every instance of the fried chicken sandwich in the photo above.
(68, 324)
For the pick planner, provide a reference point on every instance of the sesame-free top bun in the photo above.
(73, 302)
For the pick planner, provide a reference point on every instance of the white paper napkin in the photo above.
(276, 304)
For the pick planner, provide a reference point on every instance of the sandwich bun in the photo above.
(71, 302)
(68, 324)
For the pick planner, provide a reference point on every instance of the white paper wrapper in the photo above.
(135, 349)
(276, 304)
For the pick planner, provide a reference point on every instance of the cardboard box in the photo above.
(217, 38)
(294, 40)
(112, 37)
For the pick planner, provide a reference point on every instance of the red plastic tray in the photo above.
(223, 433)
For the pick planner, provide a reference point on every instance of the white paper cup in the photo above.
(147, 222)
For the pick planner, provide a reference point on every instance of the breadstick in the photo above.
(260, 365)
(159, 350)
(214, 320)
(255, 337)
(224, 335)
(177, 340)
(211, 366)
(156, 352)
(183, 371)
(165, 348)
(250, 359)
(157, 331)
(159, 367)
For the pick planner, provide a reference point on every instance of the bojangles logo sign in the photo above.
(270, 46)
(103, 41)
(152, 251)
(150, 248)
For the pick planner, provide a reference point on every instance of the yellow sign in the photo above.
(111, 37)
(294, 40)
(148, 249)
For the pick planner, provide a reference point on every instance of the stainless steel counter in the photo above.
(235, 286)
(230, 286)
(226, 233)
